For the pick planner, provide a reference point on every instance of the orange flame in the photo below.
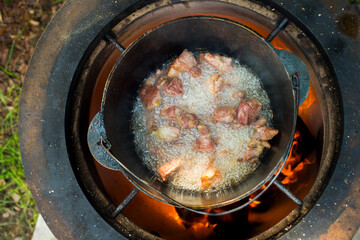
(197, 224)
(310, 99)
(293, 165)
(254, 203)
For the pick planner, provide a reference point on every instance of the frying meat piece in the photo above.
(186, 62)
(265, 133)
(170, 113)
(221, 63)
(204, 130)
(210, 177)
(167, 133)
(153, 148)
(201, 57)
(195, 72)
(169, 168)
(150, 120)
(260, 122)
(153, 79)
(172, 86)
(239, 94)
(176, 68)
(225, 114)
(188, 58)
(253, 154)
(188, 120)
(150, 96)
(256, 143)
(204, 144)
(214, 83)
(248, 110)
(256, 147)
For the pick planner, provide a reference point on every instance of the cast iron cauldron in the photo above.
(111, 140)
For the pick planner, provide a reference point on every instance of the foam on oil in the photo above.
(231, 144)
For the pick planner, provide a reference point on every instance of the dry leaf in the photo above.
(15, 197)
(34, 23)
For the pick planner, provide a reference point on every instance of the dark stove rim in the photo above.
(326, 58)
(24, 117)
(42, 175)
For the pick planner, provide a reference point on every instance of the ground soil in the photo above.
(21, 25)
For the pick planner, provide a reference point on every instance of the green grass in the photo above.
(17, 206)
(354, 1)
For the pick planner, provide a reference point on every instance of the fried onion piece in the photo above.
(210, 177)
(167, 133)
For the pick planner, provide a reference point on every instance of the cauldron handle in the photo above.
(294, 65)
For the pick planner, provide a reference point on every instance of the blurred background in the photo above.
(21, 25)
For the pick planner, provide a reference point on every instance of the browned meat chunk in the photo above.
(210, 177)
(188, 58)
(214, 83)
(204, 130)
(167, 133)
(248, 110)
(150, 96)
(260, 122)
(154, 79)
(172, 86)
(225, 114)
(170, 113)
(169, 168)
(176, 68)
(195, 72)
(221, 63)
(201, 57)
(204, 144)
(186, 62)
(239, 94)
(253, 154)
(256, 143)
(188, 120)
(256, 147)
(265, 133)
(150, 120)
